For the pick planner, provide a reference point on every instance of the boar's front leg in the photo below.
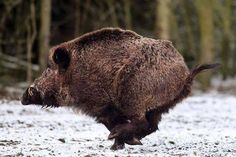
(137, 128)
(119, 143)
(130, 132)
(112, 117)
(110, 124)
(127, 131)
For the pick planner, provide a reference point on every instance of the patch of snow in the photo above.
(229, 82)
(226, 86)
(202, 125)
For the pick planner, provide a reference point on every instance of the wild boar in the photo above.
(122, 79)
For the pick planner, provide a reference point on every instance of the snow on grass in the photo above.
(202, 125)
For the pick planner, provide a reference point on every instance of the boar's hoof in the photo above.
(126, 132)
(117, 145)
(134, 141)
(123, 131)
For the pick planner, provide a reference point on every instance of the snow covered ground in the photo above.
(202, 125)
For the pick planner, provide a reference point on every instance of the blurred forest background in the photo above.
(202, 30)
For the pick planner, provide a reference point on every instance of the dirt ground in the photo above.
(202, 125)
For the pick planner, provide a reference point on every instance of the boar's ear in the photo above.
(61, 58)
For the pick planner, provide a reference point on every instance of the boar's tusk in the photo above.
(128, 121)
(30, 91)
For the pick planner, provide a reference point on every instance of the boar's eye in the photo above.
(61, 57)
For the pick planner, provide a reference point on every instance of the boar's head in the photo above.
(51, 89)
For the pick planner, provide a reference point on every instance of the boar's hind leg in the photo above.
(147, 124)
(153, 117)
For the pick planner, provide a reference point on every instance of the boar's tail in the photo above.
(198, 69)
(201, 68)
(189, 80)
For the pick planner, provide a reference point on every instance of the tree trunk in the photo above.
(29, 55)
(44, 33)
(188, 27)
(205, 15)
(128, 23)
(31, 34)
(226, 12)
(162, 19)
(234, 56)
(77, 18)
(234, 63)
(112, 8)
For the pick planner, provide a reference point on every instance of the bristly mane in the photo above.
(106, 34)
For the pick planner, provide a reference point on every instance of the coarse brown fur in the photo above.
(122, 79)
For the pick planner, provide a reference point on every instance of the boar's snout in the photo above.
(31, 96)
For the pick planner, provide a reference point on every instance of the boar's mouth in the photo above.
(33, 96)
